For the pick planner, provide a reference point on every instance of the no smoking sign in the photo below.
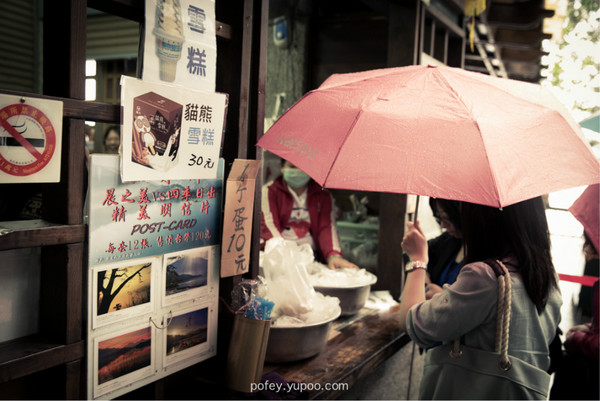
(30, 139)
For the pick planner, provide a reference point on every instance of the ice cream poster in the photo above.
(30, 139)
(170, 133)
(132, 220)
(180, 46)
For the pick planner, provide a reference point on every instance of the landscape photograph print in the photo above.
(123, 287)
(187, 331)
(122, 290)
(186, 271)
(124, 354)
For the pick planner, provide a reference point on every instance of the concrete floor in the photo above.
(392, 380)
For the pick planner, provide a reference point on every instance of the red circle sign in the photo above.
(27, 140)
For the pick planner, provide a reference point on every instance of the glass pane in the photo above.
(90, 68)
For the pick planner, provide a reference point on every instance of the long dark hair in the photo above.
(520, 230)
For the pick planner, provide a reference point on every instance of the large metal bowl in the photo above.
(294, 343)
(352, 299)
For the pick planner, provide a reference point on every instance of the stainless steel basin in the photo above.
(287, 344)
(352, 299)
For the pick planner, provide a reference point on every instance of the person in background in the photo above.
(296, 208)
(591, 268)
(112, 140)
(576, 377)
(518, 236)
(445, 251)
(90, 135)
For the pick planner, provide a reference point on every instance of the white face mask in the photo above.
(295, 177)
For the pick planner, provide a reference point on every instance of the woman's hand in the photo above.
(583, 328)
(415, 243)
(568, 344)
(432, 289)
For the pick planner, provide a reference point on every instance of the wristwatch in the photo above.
(414, 265)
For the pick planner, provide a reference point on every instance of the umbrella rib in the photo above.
(342, 145)
(493, 176)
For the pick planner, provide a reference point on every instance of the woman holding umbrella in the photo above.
(517, 236)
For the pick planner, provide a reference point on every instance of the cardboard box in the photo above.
(156, 131)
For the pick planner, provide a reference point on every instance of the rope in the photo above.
(499, 314)
(505, 311)
(502, 321)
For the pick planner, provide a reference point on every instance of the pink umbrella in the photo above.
(586, 209)
(437, 131)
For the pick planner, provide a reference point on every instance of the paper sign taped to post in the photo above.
(237, 221)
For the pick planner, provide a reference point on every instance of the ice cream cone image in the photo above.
(169, 37)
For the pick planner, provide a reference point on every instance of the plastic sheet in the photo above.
(248, 298)
(289, 286)
(322, 276)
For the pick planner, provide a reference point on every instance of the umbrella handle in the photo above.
(416, 210)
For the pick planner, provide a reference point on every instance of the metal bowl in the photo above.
(294, 343)
(352, 299)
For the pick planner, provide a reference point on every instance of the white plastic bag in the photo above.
(284, 265)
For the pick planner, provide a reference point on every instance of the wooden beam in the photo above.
(531, 39)
(33, 233)
(522, 55)
(522, 16)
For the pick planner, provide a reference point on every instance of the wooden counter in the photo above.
(356, 346)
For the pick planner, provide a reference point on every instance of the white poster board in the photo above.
(169, 133)
(153, 276)
(180, 46)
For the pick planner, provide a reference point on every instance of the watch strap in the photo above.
(414, 265)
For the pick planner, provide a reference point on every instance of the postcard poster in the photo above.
(169, 132)
(189, 274)
(122, 358)
(187, 334)
(180, 44)
(123, 290)
(30, 139)
(132, 220)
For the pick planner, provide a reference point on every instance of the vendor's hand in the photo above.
(415, 243)
(337, 262)
(432, 289)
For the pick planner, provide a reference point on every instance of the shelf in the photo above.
(32, 233)
(32, 354)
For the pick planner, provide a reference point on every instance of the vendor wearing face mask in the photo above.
(297, 208)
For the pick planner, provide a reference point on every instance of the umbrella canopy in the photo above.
(586, 209)
(436, 131)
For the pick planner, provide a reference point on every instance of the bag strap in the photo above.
(502, 315)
